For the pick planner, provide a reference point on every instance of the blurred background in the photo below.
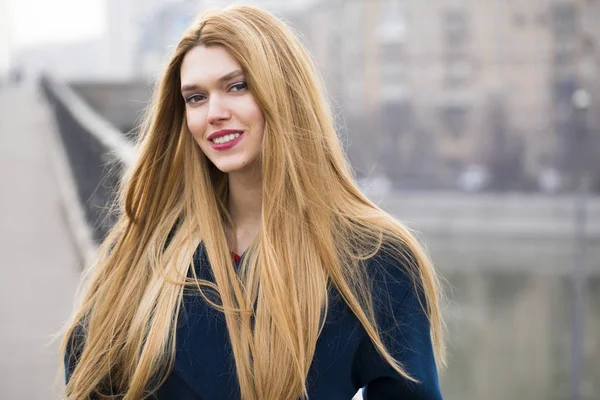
(476, 123)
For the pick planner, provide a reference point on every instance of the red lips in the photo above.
(223, 132)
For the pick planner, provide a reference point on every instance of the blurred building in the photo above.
(159, 34)
(431, 88)
(126, 22)
(160, 29)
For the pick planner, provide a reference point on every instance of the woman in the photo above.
(239, 156)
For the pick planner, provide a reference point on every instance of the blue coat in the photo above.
(345, 359)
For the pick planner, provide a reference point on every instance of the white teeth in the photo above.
(226, 138)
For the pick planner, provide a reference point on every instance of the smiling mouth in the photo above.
(226, 138)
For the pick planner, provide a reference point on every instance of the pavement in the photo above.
(40, 267)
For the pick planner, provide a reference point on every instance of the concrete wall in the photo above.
(499, 232)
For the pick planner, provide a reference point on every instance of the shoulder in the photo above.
(393, 273)
(399, 305)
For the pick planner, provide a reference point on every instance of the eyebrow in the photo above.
(224, 78)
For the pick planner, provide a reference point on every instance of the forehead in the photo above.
(205, 65)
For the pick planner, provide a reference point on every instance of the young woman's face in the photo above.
(221, 112)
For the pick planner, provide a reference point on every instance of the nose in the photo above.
(217, 111)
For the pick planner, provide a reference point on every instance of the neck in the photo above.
(245, 208)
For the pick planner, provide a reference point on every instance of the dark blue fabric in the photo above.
(345, 359)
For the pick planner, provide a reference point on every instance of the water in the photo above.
(509, 334)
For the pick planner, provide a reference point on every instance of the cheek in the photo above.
(196, 124)
(258, 118)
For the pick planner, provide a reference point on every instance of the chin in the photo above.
(228, 168)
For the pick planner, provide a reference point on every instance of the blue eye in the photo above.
(238, 86)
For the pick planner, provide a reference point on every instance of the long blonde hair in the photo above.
(317, 230)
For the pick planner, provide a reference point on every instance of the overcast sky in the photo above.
(42, 21)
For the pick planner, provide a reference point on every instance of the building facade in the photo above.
(429, 89)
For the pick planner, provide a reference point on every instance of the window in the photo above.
(564, 22)
(458, 68)
(564, 27)
(392, 70)
(456, 61)
(455, 27)
(454, 119)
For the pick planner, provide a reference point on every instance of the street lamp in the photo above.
(581, 102)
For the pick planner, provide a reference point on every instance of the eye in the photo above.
(194, 99)
(236, 87)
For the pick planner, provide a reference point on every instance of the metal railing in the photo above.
(97, 153)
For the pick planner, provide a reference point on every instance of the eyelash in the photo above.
(190, 99)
